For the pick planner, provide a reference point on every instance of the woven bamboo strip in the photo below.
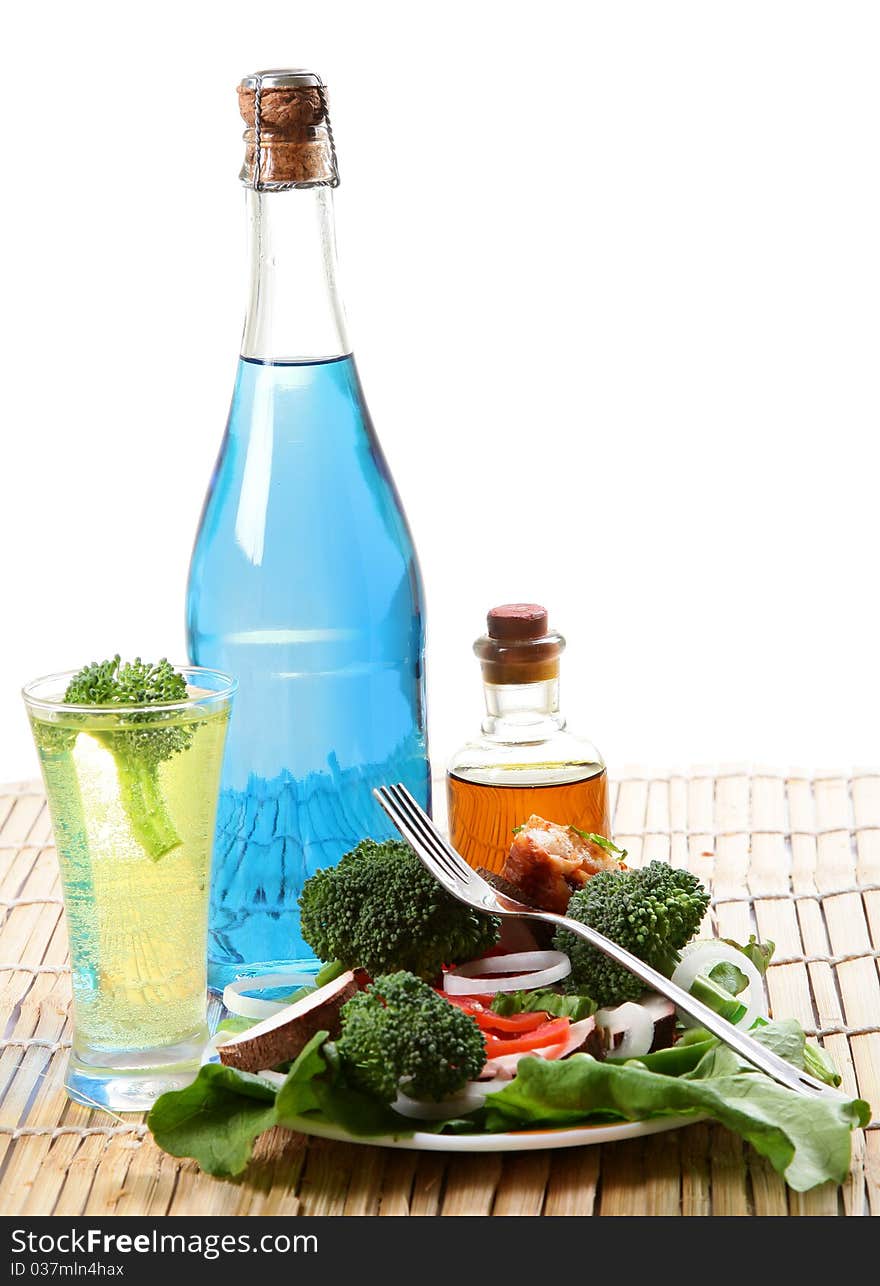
(365, 1184)
(866, 809)
(427, 1189)
(657, 823)
(696, 1194)
(824, 1002)
(730, 1194)
(661, 1160)
(194, 1196)
(21, 825)
(700, 822)
(55, 1163)
(149, 1182)
(848, 930)
(42, 1014)
(110, 1175)
(629, 818)
(272, 1180)
(521, 1184)
(325, 1179)
(692, 811)
(77, 1175)
(7, 803)
(470, 1184)
(26, 1156)
(788, 986)
(573, 1182)
(622, 1191)
(642, 805)
(679, 855)
(397, 1182)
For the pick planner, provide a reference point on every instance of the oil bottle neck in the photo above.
(522, 711)
(294, 313)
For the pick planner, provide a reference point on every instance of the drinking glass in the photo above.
(132, 794)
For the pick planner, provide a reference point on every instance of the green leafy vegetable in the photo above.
(653, 912)
(601, 842)
(400, 1032)
(138, 751)
(236, 1025)
(760, 953)
(679, 1058)
(727, 976)
(380, 910)
(215, 1119)
(218, 1117)
(806, 1140)
(557, 1004)
(786, 1038)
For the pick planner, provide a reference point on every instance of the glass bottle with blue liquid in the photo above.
(304, 581)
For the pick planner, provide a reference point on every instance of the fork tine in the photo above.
(454, 858)
(428, 837)
(443, 852)
(412, 835)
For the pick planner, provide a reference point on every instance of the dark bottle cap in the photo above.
(517, 622)
(519, 646)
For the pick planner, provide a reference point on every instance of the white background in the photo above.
(613, 275)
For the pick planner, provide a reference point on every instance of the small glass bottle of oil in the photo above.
(525, 761)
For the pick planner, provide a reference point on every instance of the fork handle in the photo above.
(758, 1055)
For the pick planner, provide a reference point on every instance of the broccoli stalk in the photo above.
(138, 751)
(399, 1034)
(653, 912)
(142, 800)
(378, 909)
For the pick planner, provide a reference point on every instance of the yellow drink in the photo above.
(137, 905)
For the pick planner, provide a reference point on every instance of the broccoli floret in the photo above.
(399, 1033)
(378, 909)
(653, 912)
(138, 751)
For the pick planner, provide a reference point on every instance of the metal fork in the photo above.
(459, 879)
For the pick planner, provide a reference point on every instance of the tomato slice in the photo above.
(513, 1023)
(489, 1021)
(552, 1033)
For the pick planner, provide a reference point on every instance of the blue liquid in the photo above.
(304, 584)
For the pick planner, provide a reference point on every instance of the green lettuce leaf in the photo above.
(215, 1119)
(726, 975)
(236, 1025)
(786, 1038)
(806, 1140)
(760, 953)
(549, 1002)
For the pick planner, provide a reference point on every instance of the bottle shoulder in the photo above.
(562, 756)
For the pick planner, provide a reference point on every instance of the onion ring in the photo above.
(701, 957)
(523, 970)
(249, 1006)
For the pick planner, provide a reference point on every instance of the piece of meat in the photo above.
(547, 862)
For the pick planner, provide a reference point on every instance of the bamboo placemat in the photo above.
(795, 858)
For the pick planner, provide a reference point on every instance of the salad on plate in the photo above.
(428, 1017)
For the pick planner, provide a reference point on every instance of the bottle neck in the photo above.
(522, 711)
(294, 313)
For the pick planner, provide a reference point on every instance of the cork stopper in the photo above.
(288, 139)
(519, 646)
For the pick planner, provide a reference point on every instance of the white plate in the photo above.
(520, 1141)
